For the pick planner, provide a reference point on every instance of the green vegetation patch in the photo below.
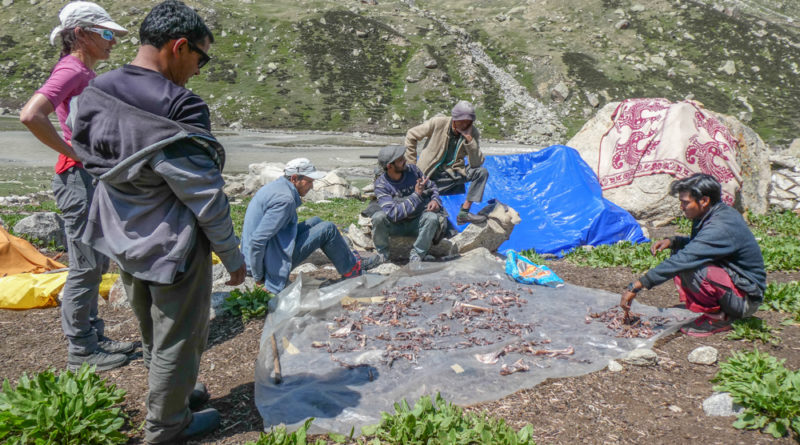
(248, 304)
(753, 329)
(785, 298)
(69, 408)
(339, 211)
(637, 257)
(769, 393)
(439, 422)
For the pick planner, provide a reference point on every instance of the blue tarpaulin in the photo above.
(558, 199)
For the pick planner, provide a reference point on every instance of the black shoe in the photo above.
(102, 360)
(466, 217)
(203, 422)
(198, 397)
(115, 347)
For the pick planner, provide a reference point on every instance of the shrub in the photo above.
(252, 303)
(71, 408)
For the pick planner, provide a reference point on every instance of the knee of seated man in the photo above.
(379, 218)
(328, 227)
(482, 172)
(430, 218)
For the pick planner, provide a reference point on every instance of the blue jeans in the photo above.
(424, 226)
(313, 234)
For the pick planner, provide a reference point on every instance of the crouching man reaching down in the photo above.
(718, 270)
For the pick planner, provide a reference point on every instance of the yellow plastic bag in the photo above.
(29, 291)
(108, 281)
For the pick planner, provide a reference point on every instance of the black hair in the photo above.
(69, 41)
(698, 185)
(171, 20)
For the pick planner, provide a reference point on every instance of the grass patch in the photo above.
(341, 212)
(769, 393)
(71, 408)
(248, 304)
(279, 436)
(753, 329)
(684, 225)
(785, 298)
(237, 213)
(780, 252)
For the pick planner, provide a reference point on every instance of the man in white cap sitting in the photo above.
(450, 140)
(274, 243)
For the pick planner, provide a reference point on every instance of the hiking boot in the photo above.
(467, 217)
(414, 257)
(99, 358)
(203, 422)
(373, 261)
(705, 326)
(115, 347)
(198, 397)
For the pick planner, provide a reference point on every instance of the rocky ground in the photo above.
(654, 404)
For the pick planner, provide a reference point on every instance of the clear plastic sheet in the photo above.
(344, 361)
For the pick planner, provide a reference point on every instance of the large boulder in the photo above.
(261, 174)
(47, 227)
(332, 186)
(648, 198)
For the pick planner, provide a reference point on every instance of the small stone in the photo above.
(385, 269)
(729, 67)
(637, 8)
(721, 404)
(271, 67)
(704, 355)
(431, 64)
(614, 366)
(7, 3)
(675, 409)
(361, 34)
(261, 78)
(641, 357)
(594, 101)
(622, 24)
(560, 92)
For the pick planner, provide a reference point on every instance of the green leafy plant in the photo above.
(439, 422)
(533, 256)
(773, 223)
(769, 393)
(752, 329)
(684, 225)
(250, 303)
(780, 252)
(71, 408)
(279, 436)
(637, 257)
(782, 297)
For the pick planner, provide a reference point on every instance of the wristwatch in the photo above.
(633, 289)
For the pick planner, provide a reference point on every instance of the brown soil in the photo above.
(659, 404)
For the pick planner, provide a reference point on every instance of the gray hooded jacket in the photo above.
(159, 182)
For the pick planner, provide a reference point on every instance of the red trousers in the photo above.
(710, 289)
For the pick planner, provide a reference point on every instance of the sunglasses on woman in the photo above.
(106, 34)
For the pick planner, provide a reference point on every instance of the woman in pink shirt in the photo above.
(86, 34)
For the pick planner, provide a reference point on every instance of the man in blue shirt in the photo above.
(409, 205)
(274, 243)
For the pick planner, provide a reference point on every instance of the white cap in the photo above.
(88, 14)
(302, 166)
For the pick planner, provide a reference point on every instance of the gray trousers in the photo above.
(424, 226)
(477, 178)
(73, 191)
(173, 320)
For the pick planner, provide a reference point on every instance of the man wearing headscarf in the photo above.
(450, 141)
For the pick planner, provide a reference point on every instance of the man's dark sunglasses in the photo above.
(204, 58)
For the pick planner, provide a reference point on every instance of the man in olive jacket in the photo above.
(450, 140)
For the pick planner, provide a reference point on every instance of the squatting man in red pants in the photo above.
(718, 270)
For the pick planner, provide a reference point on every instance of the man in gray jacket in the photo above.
(159, 210)
(718, 270)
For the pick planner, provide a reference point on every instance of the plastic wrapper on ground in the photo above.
(343, 363)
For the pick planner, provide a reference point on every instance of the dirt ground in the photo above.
(659, 404)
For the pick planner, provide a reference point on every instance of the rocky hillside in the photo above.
(535, 68)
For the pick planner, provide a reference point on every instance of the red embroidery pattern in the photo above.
(629, 152)
(647, 138)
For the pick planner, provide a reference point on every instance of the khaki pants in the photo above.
(173, 320)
